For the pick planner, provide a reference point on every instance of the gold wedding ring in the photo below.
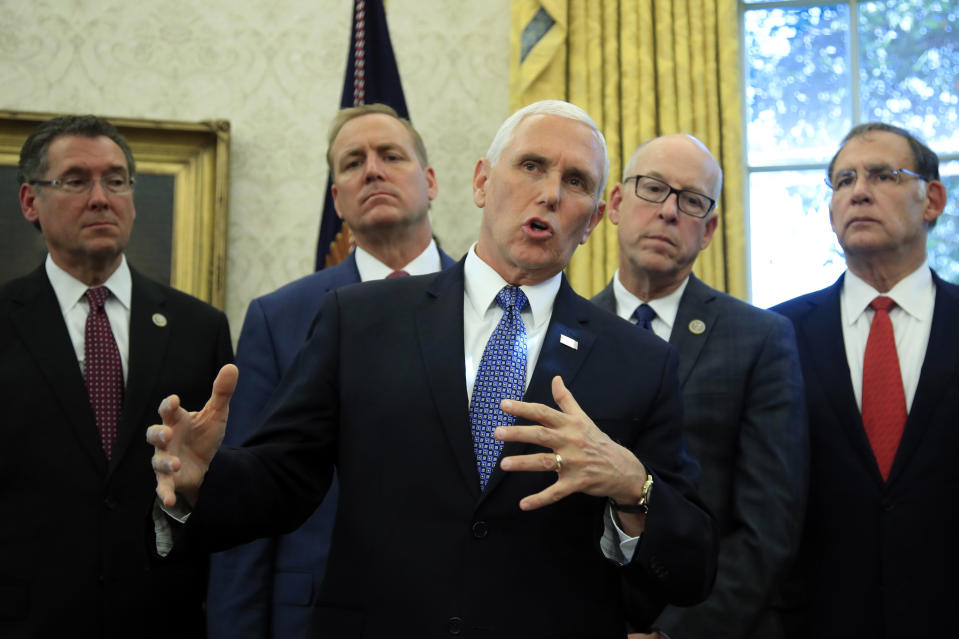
(559, 463)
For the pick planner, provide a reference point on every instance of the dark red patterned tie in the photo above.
(883, 399)
(102, 369)
(399, 273)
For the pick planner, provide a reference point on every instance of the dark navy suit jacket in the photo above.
(418, 549)
(878, 559)
(745, 422)
(265, 588)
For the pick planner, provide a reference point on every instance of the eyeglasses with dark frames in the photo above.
(656, 191)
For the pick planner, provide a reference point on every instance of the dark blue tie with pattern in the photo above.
(501, 375)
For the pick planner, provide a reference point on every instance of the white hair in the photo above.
(546, 107)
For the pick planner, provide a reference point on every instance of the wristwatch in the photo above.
(642, 506)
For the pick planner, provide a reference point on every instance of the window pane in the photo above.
(792, 247)
(943, 245)
(910, 61)
(797, 95)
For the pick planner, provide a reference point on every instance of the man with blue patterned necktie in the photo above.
(431, 538)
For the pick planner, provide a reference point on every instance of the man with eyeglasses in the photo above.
(880, 353)
(744, 418)
(383, 185)
(87, 345)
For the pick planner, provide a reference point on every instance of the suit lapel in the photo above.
(606, 298)
(821, 330)
(440, 330)
(938, 372)
(40, 323)
(696, 309)
(149, 333)
(568, 325)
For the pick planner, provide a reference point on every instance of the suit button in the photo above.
(110, 503)
(888, 505)
(480, 529)
(454, 625)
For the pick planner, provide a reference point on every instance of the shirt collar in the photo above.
(482, 283)
(666, 307)
(371, 268)
(915, 294)
(69, 290)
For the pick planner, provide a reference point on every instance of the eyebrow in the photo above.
(870, 168)
(115, 168)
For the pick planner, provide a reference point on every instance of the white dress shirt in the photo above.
(481, 314)
(371, 268)
(666, 307)
(71, 295)
(915, 297)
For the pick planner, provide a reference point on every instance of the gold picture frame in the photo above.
(187, 166)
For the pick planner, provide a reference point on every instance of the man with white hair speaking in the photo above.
(507, 453)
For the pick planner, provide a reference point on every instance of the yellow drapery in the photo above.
(642, 68)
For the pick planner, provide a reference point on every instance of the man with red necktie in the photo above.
(879, 355)
(86, 348)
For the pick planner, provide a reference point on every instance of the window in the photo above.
(814, 70)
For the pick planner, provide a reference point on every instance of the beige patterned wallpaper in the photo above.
(275, 70)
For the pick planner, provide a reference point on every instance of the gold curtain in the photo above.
(642, 68)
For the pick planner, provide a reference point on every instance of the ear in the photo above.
(336, 204)
(935, 201)
(711, 225)
(28, 203)
(832, 219)
(615, 203)
(480, 178)
(594, 219)
(432, 186)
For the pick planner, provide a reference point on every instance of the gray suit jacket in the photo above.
(745, 421)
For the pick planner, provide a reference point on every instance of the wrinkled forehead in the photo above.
(85, 153)
(373, 129)
(874, 150)
(550, 134)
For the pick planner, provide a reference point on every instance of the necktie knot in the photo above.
(511, 296)
(399, 273)
(644, 315)
(97, 297)
(882, 303)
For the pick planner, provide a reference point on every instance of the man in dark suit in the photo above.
(879, 355)
(742, 392)
(432, 536)
(76, 551)
(382, 188)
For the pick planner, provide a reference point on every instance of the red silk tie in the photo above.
(102, 370)
(400, 273)
(883, 399)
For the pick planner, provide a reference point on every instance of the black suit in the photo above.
(417, 550)
(74, 539)
(745, 422)
(878, 559)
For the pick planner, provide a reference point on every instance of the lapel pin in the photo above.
(697, 327)
(566, 340)
(159, 319)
